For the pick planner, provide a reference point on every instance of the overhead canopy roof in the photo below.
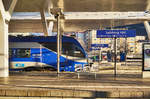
(101, 5)
(29, 5)
(86, 6)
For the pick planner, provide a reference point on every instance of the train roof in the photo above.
(44, 39)
(39, 39)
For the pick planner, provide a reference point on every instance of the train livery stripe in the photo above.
(19, 65)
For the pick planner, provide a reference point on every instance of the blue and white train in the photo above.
(40, 51)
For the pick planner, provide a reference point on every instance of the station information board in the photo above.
(94, 49)
(146, 57)
(115, 33)
(99, 45)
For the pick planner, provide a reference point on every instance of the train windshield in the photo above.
(69, 49)
(20, 53)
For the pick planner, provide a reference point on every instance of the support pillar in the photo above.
(147, 27)
(58, 14)
(115, 58)
(58, 44)
(4, 70)
(5, 15)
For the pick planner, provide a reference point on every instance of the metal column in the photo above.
(126, 51)
(58, 14)
(115, 58)
(58, 44)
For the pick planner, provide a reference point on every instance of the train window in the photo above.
(52, 46)
(78, 52)
(68, 49)
(10, 53)
(23, 53)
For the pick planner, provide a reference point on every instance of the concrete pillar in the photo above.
(4, 19)
(4, 72)
(147, 27)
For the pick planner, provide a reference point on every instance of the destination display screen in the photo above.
(146, 54)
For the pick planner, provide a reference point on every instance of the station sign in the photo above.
(115, 33)
(99, 45)
(95, 48)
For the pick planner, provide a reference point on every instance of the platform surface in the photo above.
(47, 84)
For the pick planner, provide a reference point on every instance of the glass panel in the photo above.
(10, 53)
(146, 56)
(68, 49)
(23, 53)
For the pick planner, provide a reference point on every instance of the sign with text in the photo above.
(99, 45)
(95, 48)
(115, 33)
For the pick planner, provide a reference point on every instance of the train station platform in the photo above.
(46, 85)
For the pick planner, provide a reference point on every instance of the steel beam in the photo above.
(147, 27)
(106, 15)
(31, 16)
(12, 6)
(44, 22)
(86, 16)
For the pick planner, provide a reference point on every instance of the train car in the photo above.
(41, 51)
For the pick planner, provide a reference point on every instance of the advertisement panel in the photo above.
(146, 57)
